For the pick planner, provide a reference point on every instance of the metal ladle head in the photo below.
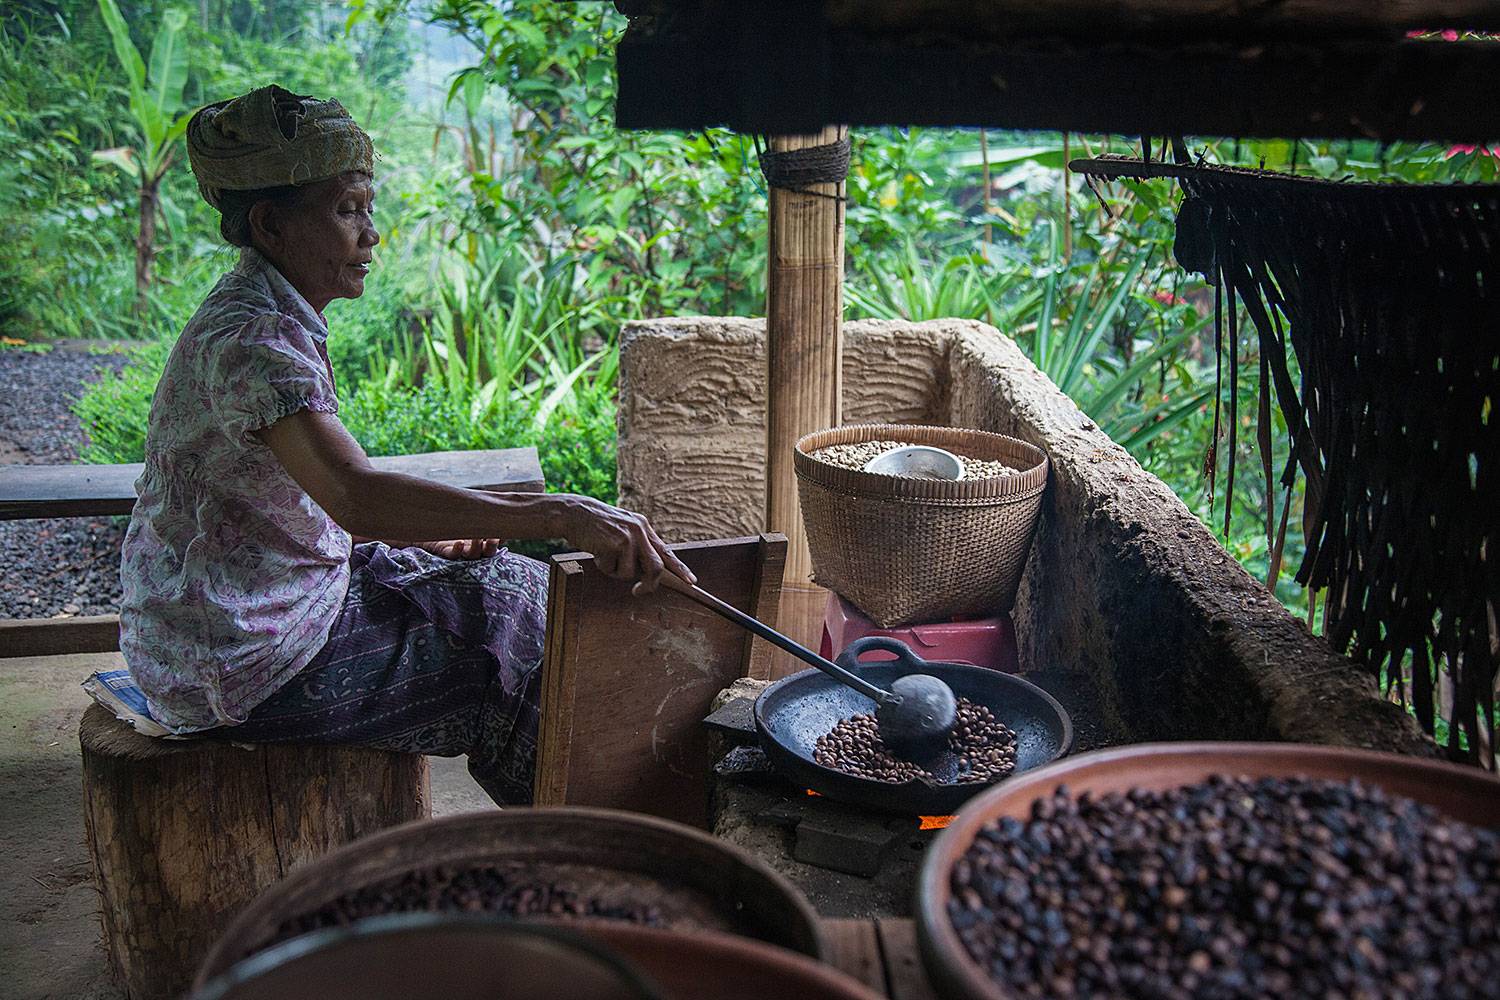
(917, 461)
(922, 717)
(918, 710)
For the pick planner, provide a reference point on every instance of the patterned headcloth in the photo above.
(271, 137)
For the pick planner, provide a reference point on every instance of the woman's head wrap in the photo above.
(270, 138)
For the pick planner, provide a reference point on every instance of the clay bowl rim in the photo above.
(1159, 766)
(720, 942)
(386, 926)
(216, 961)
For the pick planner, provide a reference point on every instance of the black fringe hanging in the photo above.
(1388, 296)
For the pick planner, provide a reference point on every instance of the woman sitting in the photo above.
(249, 610)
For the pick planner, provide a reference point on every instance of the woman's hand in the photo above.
(624, 546)
(463, 548)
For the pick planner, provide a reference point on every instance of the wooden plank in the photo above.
(66, 490)
(627, 681)
(1386, 89)
(554, 757)
(903, 962)
(1001, 19)
(768, 573)
(804, 361)
(56, 636)
(90, 490)
(853, 947)
(500, 470)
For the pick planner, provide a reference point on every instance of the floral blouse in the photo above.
(232, 575)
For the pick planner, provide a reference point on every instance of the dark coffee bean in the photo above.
(1234, 888)
(491, 889)
(984, 747)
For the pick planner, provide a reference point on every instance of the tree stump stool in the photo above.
(182, 833)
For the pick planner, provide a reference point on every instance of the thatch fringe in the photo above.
(1388, 298)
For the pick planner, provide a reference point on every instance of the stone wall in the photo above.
(693, 412)
(1130, 611)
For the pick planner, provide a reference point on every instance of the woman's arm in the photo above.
(330, 465)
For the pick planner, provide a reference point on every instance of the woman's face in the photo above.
(324, 243)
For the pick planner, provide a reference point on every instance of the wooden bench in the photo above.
(35, 491)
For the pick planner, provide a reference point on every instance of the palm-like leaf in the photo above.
(169, 64)
(125, 50)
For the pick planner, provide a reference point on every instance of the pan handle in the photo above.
(849, 658)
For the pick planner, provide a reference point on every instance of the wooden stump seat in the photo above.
(182, 833)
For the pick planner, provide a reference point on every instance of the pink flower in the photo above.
(1166, 298)
(1465, 150)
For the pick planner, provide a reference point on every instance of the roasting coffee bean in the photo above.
(1233, 888)
(503, 891)
(985, 748)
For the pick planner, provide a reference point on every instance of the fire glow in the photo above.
(928, 822)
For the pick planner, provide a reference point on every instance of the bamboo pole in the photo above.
(804, 383)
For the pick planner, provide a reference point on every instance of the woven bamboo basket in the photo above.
(909, 551)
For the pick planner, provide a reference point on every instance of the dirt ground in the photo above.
(49, 923)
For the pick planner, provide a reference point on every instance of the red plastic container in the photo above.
(983, 642)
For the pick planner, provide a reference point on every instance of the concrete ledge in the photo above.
(1129, 603)
(1128, 589)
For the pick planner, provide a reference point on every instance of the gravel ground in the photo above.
(58, 566)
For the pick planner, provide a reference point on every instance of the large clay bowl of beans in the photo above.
(567, 866)
(452, 956)
(1220, 870)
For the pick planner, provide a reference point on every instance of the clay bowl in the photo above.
(467, 957)
(1462, 793)
(708, 966)
(696, 882)
(454, 956)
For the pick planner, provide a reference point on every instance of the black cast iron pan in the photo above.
(793, 712)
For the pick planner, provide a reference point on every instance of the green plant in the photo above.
(114, 410)
(577, 452)
(509, 334)
(156, 95)
(904, 286)
(59, 227)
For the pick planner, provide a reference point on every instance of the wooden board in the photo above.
(759, 654)
(854, 949)
(782, 67)
(93, 490)
(56, 636)
(881, 953)
(903, 961)
(627, 681)
(1001, 19)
